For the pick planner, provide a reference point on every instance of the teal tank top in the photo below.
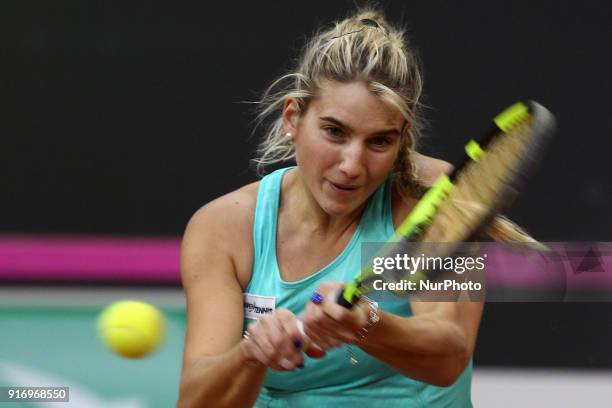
(333, 380)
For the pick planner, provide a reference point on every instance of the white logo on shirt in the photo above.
(256, 306)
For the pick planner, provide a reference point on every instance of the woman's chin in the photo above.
(336, 209)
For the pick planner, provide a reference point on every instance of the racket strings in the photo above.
(480, 187)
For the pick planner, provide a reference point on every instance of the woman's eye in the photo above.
(333, 131)
(380, 142)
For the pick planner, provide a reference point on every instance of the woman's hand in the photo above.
(275, 341)
(328, 324)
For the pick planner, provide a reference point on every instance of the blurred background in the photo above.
(119, 119)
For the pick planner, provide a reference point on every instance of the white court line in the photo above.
(512, 387)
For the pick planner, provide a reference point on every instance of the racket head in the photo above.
(459, 206)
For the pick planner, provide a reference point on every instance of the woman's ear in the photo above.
(291, 117)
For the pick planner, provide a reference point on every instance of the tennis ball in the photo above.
(131, 329)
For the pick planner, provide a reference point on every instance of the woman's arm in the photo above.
(433, 345)
(220, 368)
(214, 363)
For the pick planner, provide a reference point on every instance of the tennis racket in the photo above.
(458, 206)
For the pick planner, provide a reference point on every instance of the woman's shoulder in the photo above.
(231, 210)
(225, 225)
(428, 169)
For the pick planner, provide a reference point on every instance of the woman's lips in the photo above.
(343, 188)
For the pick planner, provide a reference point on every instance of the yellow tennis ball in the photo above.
(131, 329)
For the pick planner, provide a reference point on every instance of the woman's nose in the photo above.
(352, 163)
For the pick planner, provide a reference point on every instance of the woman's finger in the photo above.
(254, 352)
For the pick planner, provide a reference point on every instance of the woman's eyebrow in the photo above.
(335, 122)
(339, 123)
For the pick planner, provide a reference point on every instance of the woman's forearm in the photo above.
(425, 347)
(221, 381)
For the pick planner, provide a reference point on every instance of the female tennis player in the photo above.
(258, 260)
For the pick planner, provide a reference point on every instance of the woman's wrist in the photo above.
(372, 313)
(370, 308)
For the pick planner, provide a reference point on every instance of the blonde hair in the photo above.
(364, 47)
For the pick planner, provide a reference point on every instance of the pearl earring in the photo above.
(289, 135)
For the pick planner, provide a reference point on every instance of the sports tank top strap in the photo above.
(379, 208)
(266, 212)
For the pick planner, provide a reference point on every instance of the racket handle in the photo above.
(342, 301)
